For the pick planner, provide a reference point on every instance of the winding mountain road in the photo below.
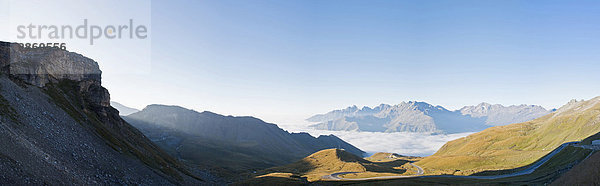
(529, 170)
(335, 176)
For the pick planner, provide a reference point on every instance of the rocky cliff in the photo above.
(41, 66)
(58, 126)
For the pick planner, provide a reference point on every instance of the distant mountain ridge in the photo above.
(415, 116)
(123, 110)
(501, 115)
(236, 143)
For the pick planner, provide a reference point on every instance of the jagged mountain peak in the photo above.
(575, 106)
(497, 114)
(426, 107)
(419, 116)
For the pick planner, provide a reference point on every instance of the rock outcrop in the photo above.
(40, 66)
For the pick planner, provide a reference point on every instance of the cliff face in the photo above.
(49, 65)
(41, 66)
(55, 114)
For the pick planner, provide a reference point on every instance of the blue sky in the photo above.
(283, 61)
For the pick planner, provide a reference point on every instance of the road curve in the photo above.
(335, 176)
(529, 170)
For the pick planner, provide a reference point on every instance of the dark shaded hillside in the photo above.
(325, 142)
(57, 126)
(585, 173)
(237, 144)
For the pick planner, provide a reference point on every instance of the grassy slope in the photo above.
(512, 146)
(542, 176)
(330, 161)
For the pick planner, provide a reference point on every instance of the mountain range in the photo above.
(235, 144)
(555, 149)
(57, 127)
(415, 116)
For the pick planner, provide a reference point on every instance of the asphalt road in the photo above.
(335, 176)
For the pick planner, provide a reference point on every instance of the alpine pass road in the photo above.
(529, 170)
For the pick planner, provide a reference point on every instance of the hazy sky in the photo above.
(283, 61)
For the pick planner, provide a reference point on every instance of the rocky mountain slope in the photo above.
(57, 126)
(516, 145)
(123, 110)
(237, 144)
(423, 117)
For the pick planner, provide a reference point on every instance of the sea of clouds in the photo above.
(404, 143)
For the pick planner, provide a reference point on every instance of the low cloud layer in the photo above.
(413, 144)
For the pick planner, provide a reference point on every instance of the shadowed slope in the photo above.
(232, 144)
(585, 173)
